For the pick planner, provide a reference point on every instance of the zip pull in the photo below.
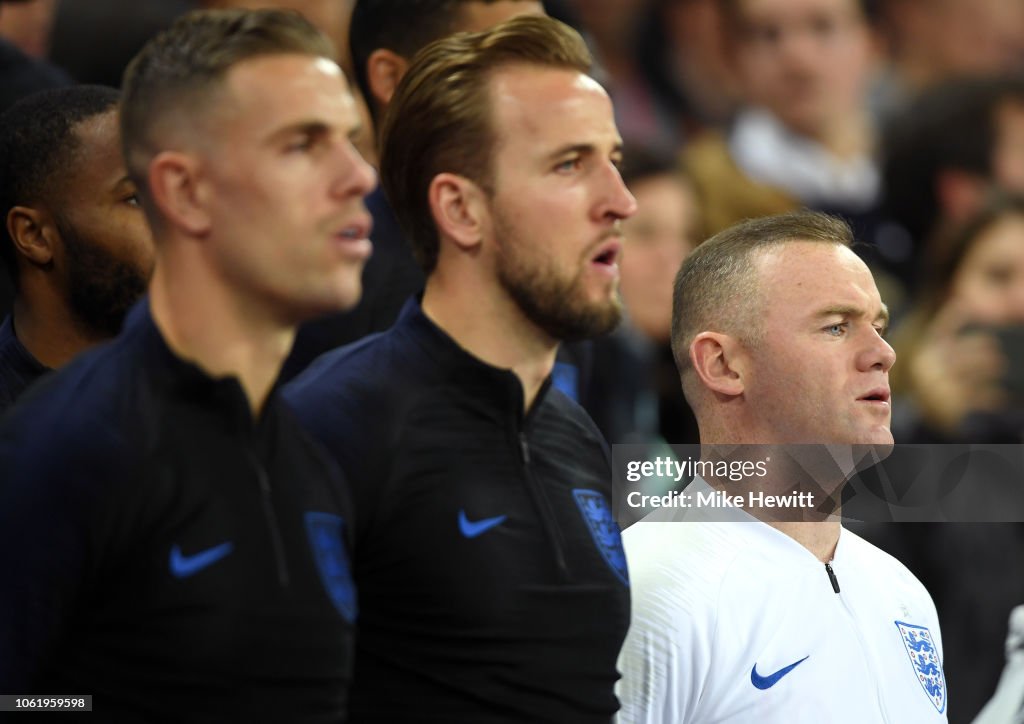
(832, 577)
(525, 447)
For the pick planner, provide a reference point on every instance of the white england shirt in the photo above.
(737, 622)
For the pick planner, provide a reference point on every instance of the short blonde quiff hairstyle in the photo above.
(439, 119)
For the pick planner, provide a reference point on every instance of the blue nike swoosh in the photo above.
(183, 566)
(471, 529)
(767, 682)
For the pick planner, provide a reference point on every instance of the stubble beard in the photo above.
(555, 304)
(101, 288)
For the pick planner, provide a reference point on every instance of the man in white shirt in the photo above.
(777, 333)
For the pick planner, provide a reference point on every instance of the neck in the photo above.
(489, 325)
(810, 478)
(819, 538)
(48, 330)
(208, 323)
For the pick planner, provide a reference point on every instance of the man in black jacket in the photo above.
(172, 543)
(492, 581)
(384, 35)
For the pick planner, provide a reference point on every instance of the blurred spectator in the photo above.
(930, 41)
(1007, 705)
(805, 137)
(942, 156)
(635, 395)
(612, 29)
(955, 382)
(28, 24)
(696, 61)
(20, 73)
(94, 39)
(75, 238)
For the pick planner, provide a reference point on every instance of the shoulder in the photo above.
(373, 365)
(82, 413)
(680, 567)
(888, 571)
(559, 410)
(677, 573)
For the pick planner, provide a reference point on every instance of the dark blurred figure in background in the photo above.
(384, 35)
(634, 394)
(943, 155)
(93, 40)
(75, 239)
(804, 137)
(933, 41)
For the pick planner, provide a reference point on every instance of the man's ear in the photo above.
(384, 69)
(34, 234)
(716, 358)
(459, 208)
(179, 191)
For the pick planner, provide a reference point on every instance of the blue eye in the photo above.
(836, 330)
(568, 165)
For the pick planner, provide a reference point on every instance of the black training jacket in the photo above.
(165, 553)
(492, 581)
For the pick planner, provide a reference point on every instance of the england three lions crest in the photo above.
(924, 657)
(603, 529)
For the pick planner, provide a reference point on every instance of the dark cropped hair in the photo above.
(440, 119)
(401, 26)
(38, 145)
(176, 73)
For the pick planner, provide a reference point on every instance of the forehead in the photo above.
(548, 107)
(803, 276)
(267, 92)
(98, 153)
(98, 132)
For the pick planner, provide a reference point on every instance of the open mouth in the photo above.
(608, 254)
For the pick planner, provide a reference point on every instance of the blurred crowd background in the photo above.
(904, 116)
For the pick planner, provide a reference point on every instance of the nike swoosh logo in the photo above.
(767, 682)
(183, 566)
(471, 529)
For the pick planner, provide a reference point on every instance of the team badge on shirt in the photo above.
(603, 529)
(326, 538)
(924, 657)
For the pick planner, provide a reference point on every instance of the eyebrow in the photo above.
(123, 181)
(581, 148)
(843, 310)
(309, 127)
